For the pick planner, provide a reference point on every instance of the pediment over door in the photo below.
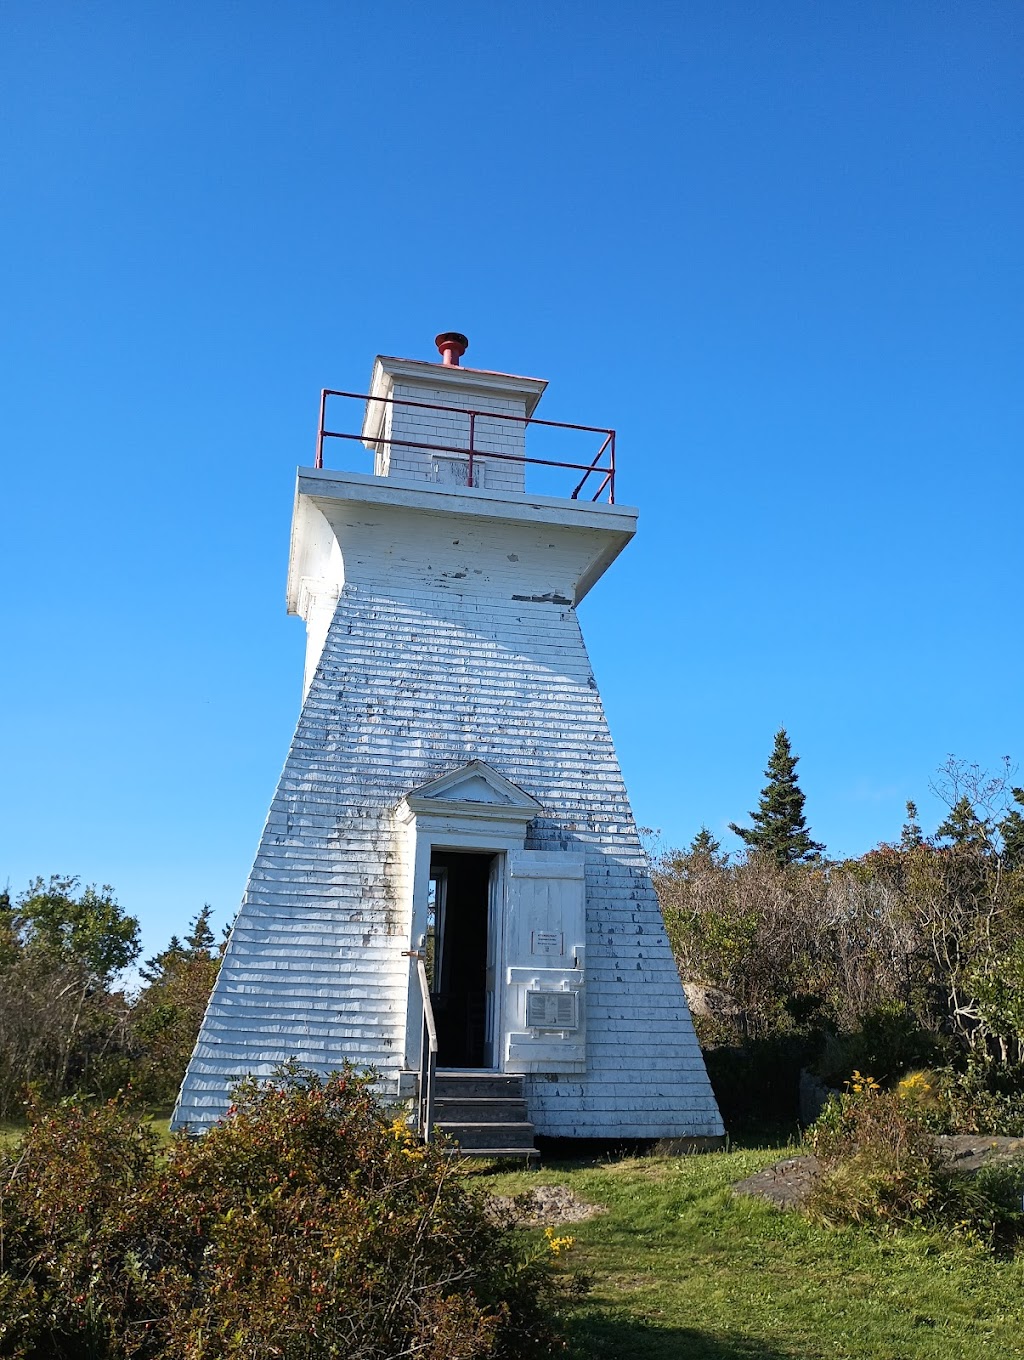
(476, 789)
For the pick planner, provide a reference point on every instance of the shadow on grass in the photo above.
(621, 1339)
(11, 1132)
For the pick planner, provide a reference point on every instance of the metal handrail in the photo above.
(470, 450)
(428, 1055)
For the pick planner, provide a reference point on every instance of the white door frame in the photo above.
(434, 819)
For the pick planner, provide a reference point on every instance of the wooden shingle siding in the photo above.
(430, 662)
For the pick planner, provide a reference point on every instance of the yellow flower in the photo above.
(916, 1086)
(558, 1244)
(860, 1083)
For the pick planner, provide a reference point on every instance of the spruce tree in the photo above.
(200, 940)
(911, 836)
(779, 827)
(965, 828)
(155, 969)
(1012, 830)
(702, 854)
(705, 846)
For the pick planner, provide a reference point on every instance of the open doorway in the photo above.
(458, 908)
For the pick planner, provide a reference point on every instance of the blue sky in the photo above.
(776, 245)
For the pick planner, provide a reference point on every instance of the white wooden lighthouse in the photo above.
(451, 837)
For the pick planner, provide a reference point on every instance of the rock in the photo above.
(789, 1182)
(813, 1095)
(711, 1001)
(969, 1151)
(786, 1184)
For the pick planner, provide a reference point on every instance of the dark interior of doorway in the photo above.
(457, 956)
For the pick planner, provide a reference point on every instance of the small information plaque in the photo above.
(552, 1010)
(546, 942)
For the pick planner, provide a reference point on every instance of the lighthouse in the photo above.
(450, 889)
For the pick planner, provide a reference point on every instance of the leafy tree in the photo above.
(967, 898)
(9, 943)
(85, 927)
(62, 1020)
(779, 827)
(914, 948)
(169, 1011)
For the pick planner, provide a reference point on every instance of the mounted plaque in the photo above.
(552, 1010)
(546, 942)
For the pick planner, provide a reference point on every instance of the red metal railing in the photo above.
(470, 451)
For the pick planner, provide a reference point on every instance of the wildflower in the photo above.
(558, 1244)
(859, 1083)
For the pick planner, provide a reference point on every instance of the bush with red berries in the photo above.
(308, 1223)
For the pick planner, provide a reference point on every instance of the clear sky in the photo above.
(776, 243)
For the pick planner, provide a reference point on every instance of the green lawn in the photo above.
(10, 1132)
(160, 1121)
(683, 1269)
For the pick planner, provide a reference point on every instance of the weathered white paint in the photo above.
(454, 639)
(391, 428)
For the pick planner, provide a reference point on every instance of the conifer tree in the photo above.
(201, 939)
(154, 969)
(779, 827)
(703, 854)
(911, 836)
(705, 846)
(168, 1012)
(964, 827)
(1012, 830)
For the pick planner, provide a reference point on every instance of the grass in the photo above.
(159, 1118)
(160, 1122)
(10, 1132)
(684, 1270)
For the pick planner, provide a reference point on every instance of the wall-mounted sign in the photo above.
(552, 1010)
(546, 942)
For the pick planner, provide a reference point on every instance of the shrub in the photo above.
(878, 1164)
(881, 1166)
(972, 1102)
(309, 1223)
(888, 1043)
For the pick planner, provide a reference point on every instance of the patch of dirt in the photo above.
(544, 1206)
(788, 1183)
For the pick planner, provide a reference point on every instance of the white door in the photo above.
(544, 1019)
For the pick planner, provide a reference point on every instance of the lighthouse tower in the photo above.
(450, 888)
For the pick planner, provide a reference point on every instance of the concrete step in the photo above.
(483, 1110)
